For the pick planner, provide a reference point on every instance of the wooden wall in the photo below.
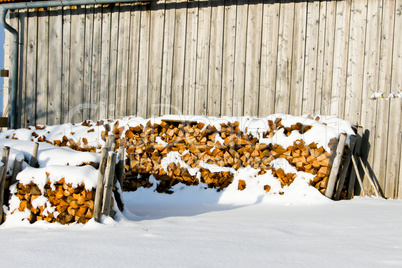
(233, 57)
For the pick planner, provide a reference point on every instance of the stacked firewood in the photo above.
(198, 144)
(64, 204)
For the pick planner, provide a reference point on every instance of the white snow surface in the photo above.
(198, 231)
(323, 129)
(198, 227)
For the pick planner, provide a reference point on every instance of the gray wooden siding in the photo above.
(217, 58)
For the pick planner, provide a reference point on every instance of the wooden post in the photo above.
(120, 166)
(99, 186)
(345, 167)
(112, 147)
(107, 194)
(33, 162)
(352, 177)
(358, 174)
(335, 166)
(6, 153)
(369, 177)
(16, 169)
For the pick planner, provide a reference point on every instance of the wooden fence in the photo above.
(233, 57)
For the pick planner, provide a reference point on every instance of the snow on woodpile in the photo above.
(246, 157)
(63, 194)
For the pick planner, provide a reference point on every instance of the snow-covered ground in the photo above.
(198, 227)
(174, 231)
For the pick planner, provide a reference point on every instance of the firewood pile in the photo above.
(190, 152)
(57, 202)
(198, 144)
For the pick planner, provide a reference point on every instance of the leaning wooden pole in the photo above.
(335, 166)
(107, 194)
(99, 186)
(33, 162)
(345, 168)
(6, 153)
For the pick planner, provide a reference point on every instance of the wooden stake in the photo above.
(33, 162)
(6, 153)
(112, 143)
(335, 167)
(369, 177)
(358, 174)
(99, 186)
(120, 166)
(16, 169)
(107, 193)
(345, 168)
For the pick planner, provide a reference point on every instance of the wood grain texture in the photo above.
(190, 64)
(228, 58)
(203, 43)
(253, 59)
(215, 62)
(55, 64)
(284, 61)
(155, 59)
(31, 77)
(298, 63)
(269, 52)
(240, 58)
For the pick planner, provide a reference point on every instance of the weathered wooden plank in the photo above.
(335, 166)
(7, 62)
(320, 57)
(167, 64)
(76, 94)
(190, 64)
(108, 187)
(354, 85)
(345, 167)
(228, 57)
(394, 162)
(155, 58)
(253, 59)
(379, 165)
(55, 66)
(132, 87)
(142, 97)
(31, 72)
(122, 61)
(341, 44)
(310, 71)
(298, 58)
(240, 57)
(114, 47)
(96, 63)
(88, 52)
(179, 51)
(269, 51)
(100, 183)
(65, 75)
(204, 24)
(284, 62)
(42, 66)
(328, 57)
(22, 24)
(371, 72)
(215, 61)
(105, 63)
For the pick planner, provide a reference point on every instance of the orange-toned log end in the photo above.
(267, 188)
(242, 185)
